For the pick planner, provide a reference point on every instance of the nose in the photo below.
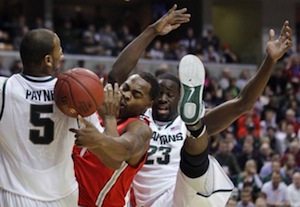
(163, 97)
(126, 95)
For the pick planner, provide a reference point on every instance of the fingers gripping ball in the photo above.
(78, 91)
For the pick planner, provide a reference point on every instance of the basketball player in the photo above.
(35, 147)
(106, 166)
(105, 172)
(200, 180)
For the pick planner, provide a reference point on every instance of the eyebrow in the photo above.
(137, 92)
(133, 90)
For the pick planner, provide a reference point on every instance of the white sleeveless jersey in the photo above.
(158, 174)
(35, 142)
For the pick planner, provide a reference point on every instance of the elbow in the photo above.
(243, 106)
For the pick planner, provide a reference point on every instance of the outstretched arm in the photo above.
(128, 58)
(220, 117)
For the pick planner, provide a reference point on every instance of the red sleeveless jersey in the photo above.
(100, 185)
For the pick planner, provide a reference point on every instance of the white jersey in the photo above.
(35, 142)
(160, 182)
(158, 175)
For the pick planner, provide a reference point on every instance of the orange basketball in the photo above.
(78, 91)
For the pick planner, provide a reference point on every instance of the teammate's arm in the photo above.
(128, 58)
(220, 117)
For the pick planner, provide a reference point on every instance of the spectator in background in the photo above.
(168, 52)
(228, 161)
(162, 68)
(19, 36)
(199, 51)
(250, 176)
(209, 38)
(269, 122)
(290, 117)
(224, 79)
(293, 69)
(232, 88)
(293, 191)
(211, 55)
(180, 51)
(91, 47)
(156, 52)
(5, 43)
(247, 153)
(189, 41)
(275, 167)
(248, 123)
(264, 155)
(289, 168)
(260, 202)
(16, 67)
(108, 39)
(246, 199)
(266, 169)
(227, 55)
(243, 78)
(4, 71)
(233, 144)
(278, 81)
(276, 191)
(293, 149)
(101, 73)
(69, 37)
(232, 202)
(125, 35)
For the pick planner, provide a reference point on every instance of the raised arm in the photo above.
(128, 58)
(220, 117)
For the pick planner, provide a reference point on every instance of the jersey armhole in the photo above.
(2, 101)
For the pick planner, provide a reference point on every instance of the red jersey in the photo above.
(98, 184)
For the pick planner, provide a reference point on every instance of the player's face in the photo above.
(165, 107)
(135, 99)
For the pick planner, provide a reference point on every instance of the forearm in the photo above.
(254, 88)
(129, 57)
(105, 159)
(115, 148)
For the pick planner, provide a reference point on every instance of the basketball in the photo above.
(78, 91)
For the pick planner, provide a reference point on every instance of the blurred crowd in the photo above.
(105, 40)
(260, 151)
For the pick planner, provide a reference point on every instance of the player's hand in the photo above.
(111, 104)
(277, 48)
(87, 136)
(171, 20)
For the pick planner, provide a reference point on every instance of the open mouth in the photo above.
(163, 110)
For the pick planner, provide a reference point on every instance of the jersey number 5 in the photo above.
(38, 121)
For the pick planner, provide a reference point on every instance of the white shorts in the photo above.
(212, 189)
(8, 199)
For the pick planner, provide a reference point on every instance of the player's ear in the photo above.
(48, 60)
